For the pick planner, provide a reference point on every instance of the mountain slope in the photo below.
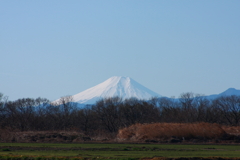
(123, 87)
(228, 92)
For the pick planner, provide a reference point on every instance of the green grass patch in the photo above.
(115, 151)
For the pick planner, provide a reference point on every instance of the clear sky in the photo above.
(56, 48)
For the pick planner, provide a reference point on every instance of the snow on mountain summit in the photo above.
(123, 87)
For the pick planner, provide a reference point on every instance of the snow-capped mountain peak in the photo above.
(120, 86)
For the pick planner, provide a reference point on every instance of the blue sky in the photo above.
(56, 48)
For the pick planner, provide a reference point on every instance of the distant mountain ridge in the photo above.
(124, 87)
(228, 92)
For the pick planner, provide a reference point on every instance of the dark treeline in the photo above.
(111, 114)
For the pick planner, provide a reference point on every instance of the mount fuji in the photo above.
(123, 87)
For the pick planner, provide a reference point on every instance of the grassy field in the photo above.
(116, 151)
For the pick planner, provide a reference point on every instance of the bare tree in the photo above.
(3, 101)
(40, 118)
(230, 108)
(134, 111)
(21, 112)
(107, 111)
(62, 111)
(170, 110)
(86, 120)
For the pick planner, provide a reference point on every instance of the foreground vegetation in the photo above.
(137, 133)
(109, 115)
(180, 132)
(51, 126)
(40, 151)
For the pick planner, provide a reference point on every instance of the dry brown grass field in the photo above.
(182, 131)
(154, 132)
(232, 130)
